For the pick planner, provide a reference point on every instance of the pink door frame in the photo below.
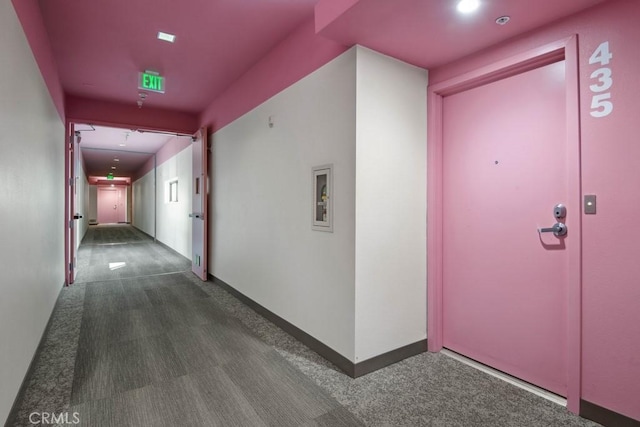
(547, 54)
(69, 205)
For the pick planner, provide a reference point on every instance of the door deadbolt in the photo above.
(559, 211)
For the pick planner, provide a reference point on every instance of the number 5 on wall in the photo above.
(600, 107)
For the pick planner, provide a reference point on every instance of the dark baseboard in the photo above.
(354, 370)
(389, 358)
(13, 413)
(605, 416)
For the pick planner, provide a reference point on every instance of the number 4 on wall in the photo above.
(601, 55)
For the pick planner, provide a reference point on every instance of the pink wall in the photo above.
(82, 110)
(610, 149)
(292, 59)
(328, 10)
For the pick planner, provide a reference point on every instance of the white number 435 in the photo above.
(601, 104)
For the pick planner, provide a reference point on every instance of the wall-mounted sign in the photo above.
(151, 81)
(110, 176)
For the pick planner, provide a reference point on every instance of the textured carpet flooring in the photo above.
(157, 350)
(120, 251)
(141, 346)
(114, 233)
(425, 390)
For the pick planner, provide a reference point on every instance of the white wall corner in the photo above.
(391, 136)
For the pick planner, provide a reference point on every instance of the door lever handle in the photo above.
(558, 229)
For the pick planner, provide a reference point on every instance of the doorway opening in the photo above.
(124, 180)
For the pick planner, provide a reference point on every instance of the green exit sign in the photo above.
(110, 176)
(151, 81)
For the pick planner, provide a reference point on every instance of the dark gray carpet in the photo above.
(119, 251)
(425, 390)
(114, 233)
(157, 350)
(168, 349)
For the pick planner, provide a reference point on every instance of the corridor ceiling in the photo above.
(99, 46)
(101, 145)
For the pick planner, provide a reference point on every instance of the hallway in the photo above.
(151, 347)
(146, 343)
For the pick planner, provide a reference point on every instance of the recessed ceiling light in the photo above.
(116, 160)
(502, 20)
(166, 37)
(123, 145)
(113, 167)
(468, 6)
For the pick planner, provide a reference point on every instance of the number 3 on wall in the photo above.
(601, 105)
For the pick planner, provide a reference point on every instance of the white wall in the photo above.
(172, 218)
(143, 204)
(391, 294)
(32, 141)
(82, 204)
(261, 241)
(174, 224)
(361, 290)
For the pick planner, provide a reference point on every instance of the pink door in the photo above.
(199, 202)
(108, 205)
(504, 284)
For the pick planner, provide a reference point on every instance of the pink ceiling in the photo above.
(101, 45)
(429, 33)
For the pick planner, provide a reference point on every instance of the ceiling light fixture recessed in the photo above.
(113, 167)
(123, 145)
(503, 20)
(468, 6)
(116, 160)
(166, 37)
